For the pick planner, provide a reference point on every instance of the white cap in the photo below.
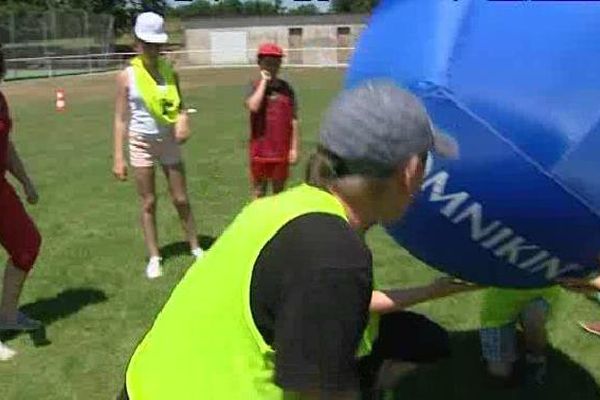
(150, 28)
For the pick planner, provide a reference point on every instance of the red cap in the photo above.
(270, 49)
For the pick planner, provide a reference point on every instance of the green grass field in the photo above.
(89, 285)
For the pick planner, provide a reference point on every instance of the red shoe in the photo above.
(591, 327)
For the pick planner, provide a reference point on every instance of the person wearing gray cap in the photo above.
(280, 304)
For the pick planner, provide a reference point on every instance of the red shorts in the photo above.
(269, 171)
(18, 234)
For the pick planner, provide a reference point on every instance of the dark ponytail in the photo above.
(321, 169)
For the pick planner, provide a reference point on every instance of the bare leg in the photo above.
(177, 185)
(390, 373)
(278, 186)
(259, 189)
(144, 179)
(10, 316)
(533, 319)
(534, 327)
(14, 278)
(500, 369)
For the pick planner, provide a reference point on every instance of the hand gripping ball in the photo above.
(517, 84)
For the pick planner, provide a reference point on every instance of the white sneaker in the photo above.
(153, 269)
(6, 353)
(198, 252)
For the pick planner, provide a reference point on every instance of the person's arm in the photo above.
(295, 140)
(17, 169)
(388, 301)
(294, 148)
(120, 127)
(255, 100)
(182, 105)
(595, 282)
(316, 335)
(182, 126)
(315, 341)
(581, 285)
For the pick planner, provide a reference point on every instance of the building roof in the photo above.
(274, 20)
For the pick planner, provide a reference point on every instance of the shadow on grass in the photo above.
(463, 377)
(183, 248)
(52, 309)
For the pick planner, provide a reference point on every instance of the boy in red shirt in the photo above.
(273, 123)
(18, 234)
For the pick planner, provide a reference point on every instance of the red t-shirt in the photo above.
(5, 127)
(271, 126)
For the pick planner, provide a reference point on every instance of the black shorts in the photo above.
(403, 336)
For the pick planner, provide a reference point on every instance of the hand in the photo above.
(182, 128)
(120, 170)
(31, 193)
(293, 156)
(579, 285)
(266, 75)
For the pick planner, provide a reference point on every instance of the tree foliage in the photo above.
(122, 10)
(125, 10)
(200, 8)
(353, 6)
(305, 9)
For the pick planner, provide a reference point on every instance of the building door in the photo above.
(343, 42)
(295, 55)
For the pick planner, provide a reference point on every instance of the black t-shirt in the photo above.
(310, 293)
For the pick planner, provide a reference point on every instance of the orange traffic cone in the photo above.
(61, 102)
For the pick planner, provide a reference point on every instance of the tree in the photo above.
(305, 9)
(197, 8)
(353, 6)
(122, 10)
(203, 8)
(228, 7)
(20, 5)
(257, 7)
(158, 6)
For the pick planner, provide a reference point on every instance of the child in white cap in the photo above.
(150, 115)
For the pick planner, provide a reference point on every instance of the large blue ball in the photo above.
(518, 86)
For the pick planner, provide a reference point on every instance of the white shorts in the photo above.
(145, 151)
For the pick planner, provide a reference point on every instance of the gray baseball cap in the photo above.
(370, 129)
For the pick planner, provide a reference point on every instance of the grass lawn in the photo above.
(89, 285)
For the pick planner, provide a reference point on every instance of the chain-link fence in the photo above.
(50, 66)
(34, 37)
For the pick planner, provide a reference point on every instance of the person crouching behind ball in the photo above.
(273, 123)
(503, 312)
(18, 233)
(283, 305)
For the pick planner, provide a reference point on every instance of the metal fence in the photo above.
(39, 35)
(51, 66)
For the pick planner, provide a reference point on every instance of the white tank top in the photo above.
(141, 121)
